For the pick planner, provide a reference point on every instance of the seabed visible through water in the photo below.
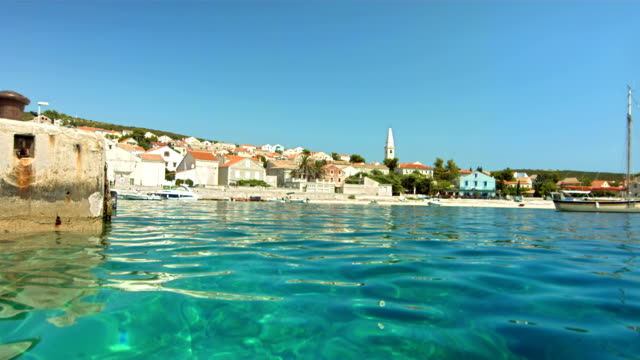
(220, 280)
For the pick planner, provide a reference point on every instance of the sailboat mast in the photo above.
(629, 144)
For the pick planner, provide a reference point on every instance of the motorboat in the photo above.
(434, 202)
(176, 194)
(135, 195)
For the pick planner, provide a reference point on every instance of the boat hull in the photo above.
(622, 206)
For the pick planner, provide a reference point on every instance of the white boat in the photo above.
(575, 200)
(136, 195)
(582, 201)
(434, 202)
(140, 196)
(175, 194)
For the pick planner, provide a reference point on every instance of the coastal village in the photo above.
(223, 167)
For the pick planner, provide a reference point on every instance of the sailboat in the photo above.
(582, 201)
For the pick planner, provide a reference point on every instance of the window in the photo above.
(466, 183)
(24, 146)
(475, 183)
(174, 164)
(485, 184)
(166, 154)
(331, 171)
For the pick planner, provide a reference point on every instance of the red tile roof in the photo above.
(233, 162)
(129, 147)
(151, 157)
(203, 155)
(414, 166)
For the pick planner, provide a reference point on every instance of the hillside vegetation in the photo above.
(580, 175)
(75, 121)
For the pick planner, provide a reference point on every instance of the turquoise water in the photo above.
(217, 280)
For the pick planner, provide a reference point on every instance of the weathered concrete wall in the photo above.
(51, 178)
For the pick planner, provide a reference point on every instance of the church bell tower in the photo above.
(389, 149)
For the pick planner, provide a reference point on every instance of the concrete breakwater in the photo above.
(51, 179)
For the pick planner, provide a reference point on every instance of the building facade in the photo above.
(237, 169)
(477, 184)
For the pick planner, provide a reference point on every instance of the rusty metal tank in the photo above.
(12, 105)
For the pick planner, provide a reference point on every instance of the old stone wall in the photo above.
(51, 178)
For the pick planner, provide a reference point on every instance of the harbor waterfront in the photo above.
(246, 193)
(248, 280)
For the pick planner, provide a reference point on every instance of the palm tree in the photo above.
(308, 170)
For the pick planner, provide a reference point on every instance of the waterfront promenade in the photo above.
(223, 193)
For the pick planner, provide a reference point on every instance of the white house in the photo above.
(410, 168)
(295, 151)
(165, 139)
(199, 166)
(149, 134)
(238, 168)
(192, 141)
(171, 157)
(248, 147)
(319, 155)
(151, 170)
(121, 166)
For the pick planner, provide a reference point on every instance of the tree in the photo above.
(416, 182)
(335, 156)
(452, 170)
(263, 160)
(392, 164)
(169, 176)
(586, 182)
(306, 152)
(479, 168)
(438, 169)
(504, 175)
(501, 177)
(355, 158)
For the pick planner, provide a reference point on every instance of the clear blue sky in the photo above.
(535, 84)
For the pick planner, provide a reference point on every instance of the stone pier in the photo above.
(51, 179)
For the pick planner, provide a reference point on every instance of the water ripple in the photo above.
(256, 280)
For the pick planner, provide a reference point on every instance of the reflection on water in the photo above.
(290, 281)
(47, 272)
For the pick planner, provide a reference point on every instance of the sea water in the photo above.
(222, 280)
